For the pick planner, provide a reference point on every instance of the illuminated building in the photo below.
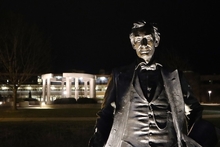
(49, 87)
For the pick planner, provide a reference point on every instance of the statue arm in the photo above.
(105, 116)
(193, 109)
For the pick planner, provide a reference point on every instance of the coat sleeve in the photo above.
(105, 115)
(193, 109)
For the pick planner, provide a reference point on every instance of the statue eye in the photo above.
(149, 38)
(137, 39)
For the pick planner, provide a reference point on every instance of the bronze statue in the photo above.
(146, 104)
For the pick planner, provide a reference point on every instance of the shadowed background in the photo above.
(93, 35)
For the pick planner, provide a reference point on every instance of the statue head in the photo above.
(144, 38)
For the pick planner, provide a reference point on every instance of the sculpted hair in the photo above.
(144, 27)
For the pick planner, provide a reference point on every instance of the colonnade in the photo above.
(66, 81)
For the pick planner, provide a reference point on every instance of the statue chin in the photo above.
(146, 58)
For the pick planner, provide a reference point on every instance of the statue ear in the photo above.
(131, 36)
(157, 41)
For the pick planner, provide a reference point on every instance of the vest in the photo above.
(119, 132)
(148, 123)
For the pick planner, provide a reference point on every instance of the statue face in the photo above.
(144, 46)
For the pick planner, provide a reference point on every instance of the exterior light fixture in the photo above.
(102, 78)
(209, 92)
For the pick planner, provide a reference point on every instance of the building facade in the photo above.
(49, 87)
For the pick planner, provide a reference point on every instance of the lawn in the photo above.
(70, 112)
(45, 134)
(52, 134)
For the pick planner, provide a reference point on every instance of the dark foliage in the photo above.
(87, 101)
(30, 99)
(82, 100)
(65, 101)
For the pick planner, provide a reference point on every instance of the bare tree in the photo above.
(24, 51)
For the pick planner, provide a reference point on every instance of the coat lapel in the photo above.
(174, 94)
(125, 79)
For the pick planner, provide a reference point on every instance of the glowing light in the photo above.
(0, 103)
(4, 88)
(53, 87)
(59, 77)
(29, 87)
(209, 92)
(102, 78)
(43, 104)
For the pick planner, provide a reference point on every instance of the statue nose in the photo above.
(144, 41)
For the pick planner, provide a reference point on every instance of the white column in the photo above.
(43, 89)
(76, 88)
(62, 85)
(68, 87)
(85, 88)
(92, 88)
(48, 90)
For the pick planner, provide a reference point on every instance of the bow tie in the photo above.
(144, 66)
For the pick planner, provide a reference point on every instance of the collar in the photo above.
(143, 65)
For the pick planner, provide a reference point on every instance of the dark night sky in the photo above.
(92, 35)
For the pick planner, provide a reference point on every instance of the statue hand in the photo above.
(96, 140)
